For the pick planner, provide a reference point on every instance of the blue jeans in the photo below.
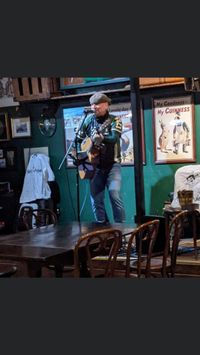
(111, 179)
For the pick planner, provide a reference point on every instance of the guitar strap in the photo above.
(97, 125)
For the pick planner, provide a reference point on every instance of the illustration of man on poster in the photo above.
(180, 134)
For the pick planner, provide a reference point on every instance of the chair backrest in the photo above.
(146, 232)
(159, 245)
(39, 217)
(104, 242)
(23, 213)
(176, 229)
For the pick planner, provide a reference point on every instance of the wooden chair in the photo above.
(166, 264)
(91, 247)
(145, 233)
(7, 270)
(39, 217)
(22, 219)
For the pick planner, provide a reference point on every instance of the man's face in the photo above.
(100, 109)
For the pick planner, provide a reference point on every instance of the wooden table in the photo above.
(49, 244)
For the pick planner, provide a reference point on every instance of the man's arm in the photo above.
(83, 132)
(115, 132)
(78, 139)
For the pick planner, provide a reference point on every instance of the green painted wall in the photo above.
(158, 179)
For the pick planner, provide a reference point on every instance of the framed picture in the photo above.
(174, 131)
(123, 110)
(4, 128)
(21, 127)
(6, 93)
(74, 116)
(8, 158)
(72, 119)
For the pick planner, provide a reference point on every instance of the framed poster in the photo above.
(4, 128)
(123, 110)
(72, 119)
(21, 127)
(74, 116)
(174, 131)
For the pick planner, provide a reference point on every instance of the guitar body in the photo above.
(91, 150)
(86, 170)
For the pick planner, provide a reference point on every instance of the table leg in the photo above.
(166, 247)
(59, 270)
(34, 269)
(194, 233)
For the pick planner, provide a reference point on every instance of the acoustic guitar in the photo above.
(89, 154)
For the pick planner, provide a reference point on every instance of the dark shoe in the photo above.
(175, 152)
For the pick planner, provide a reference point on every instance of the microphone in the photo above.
(88, 110)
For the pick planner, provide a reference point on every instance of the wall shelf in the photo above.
(27, 89)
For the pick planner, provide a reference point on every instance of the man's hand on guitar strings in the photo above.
(97, 138)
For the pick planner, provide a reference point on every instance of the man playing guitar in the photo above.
(104, 154)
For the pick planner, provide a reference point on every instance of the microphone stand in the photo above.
(65, 156)
(77, 171)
